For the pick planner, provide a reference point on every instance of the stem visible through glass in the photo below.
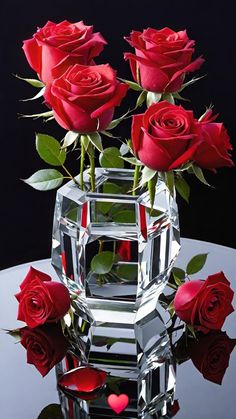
(82, 157)
(136, 178)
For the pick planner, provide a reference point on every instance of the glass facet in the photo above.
(145, 242)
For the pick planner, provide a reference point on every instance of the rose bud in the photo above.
(161, 137)
(41, 300)
(204, 304)
(84, 97)
(211, 353)
(212, 151)
(162, 58)
(46, 346)
(56, 46)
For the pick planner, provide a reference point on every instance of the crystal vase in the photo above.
(144, 242)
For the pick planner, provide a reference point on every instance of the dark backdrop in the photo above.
(26, 214)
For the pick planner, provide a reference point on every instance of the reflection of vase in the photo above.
(148, 384)
(145, 243)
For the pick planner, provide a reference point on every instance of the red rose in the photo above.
(45, 345)
(162, 57)
(204, 304)
(162, 136)
(211, 353)
(41, 300)
(212, 152)
(57, 46)
(84, 97)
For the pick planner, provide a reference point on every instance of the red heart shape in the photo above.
(118, 403)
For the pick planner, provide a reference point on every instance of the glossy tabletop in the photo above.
(24, 393)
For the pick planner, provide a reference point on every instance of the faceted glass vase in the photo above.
(145, 242)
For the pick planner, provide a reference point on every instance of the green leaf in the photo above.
(108, 188)
(102, 262)
(153, 97)
(124, 149)
(95, 139)
(108, 134)
(111, 157)
(182, 188)
(45, 180)
(127, 271)
(48, 114)
(178, 273)
(169, 97)
(37, 96)
(15, 333)
(50, 150)
(124, 216)
(190, 82)
(147, 174)
(52, 411)
(152, 189)
(179, 97)
(115, 122)
(170, 181)
(132, 85)
(33, 82)
(141, 99)
(171, 309)
(191, 329)
(70, 138)
(196, 263)
(132, 160)
(111, 188)
(199, 174)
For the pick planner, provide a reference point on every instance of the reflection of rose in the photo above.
(211, 353)
(162, 57)
(57, 45)
(204, 304)
(41, 300)
(45, 345)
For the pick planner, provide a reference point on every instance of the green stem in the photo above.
(92, 170)
(100, 246)
(82, 157)
(172, 286)
(70, 175)
(152, 189)
(136, 178)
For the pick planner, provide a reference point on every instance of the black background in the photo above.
(26, 214)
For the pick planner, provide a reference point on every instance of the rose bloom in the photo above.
(56, 46)
(84, 97)
(204, 304)
(162, 136)
(211, 353)
(41, 300)
(45, 345)
(162, 58)
(213, 151)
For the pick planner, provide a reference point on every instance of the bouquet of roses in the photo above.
(166, 139)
